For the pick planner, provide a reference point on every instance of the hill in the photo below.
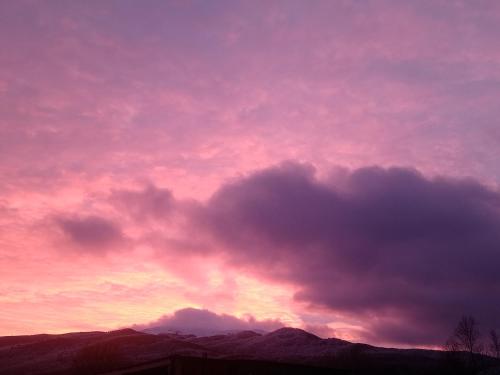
(96, 352)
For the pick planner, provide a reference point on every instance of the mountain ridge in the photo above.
(73, 353)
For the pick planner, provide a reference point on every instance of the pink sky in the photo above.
(142, 148)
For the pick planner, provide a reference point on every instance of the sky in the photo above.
(326, 165)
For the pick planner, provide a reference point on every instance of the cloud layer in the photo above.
(154, 128)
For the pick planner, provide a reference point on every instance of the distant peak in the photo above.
(124, 331)
(292, 332)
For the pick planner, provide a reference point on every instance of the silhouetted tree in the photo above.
(467, 335)
(465, 338)
(494, 344)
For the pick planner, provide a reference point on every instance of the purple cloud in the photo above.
(91, 232)
(150, 203)
(205, 322)
(406, 253)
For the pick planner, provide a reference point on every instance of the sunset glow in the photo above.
(328, 165)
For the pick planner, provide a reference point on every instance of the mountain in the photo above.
(87, 352)
(95, 352)
(193, 331)
(284, 344)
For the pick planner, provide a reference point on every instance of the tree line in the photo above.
(467, 347)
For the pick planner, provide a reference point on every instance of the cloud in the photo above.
(321, 330)
(396, 254)
(91, 232)
(405, 254)
(205, 322)
(243, 84)
(149, 203)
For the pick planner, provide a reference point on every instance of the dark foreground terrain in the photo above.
(285, 351)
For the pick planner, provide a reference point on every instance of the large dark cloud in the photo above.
(406, 253)
(91, 232)
(205, 322)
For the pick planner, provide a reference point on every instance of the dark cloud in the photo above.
(149, 203)
(405, 253)
(205, 322)
(91, 232)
